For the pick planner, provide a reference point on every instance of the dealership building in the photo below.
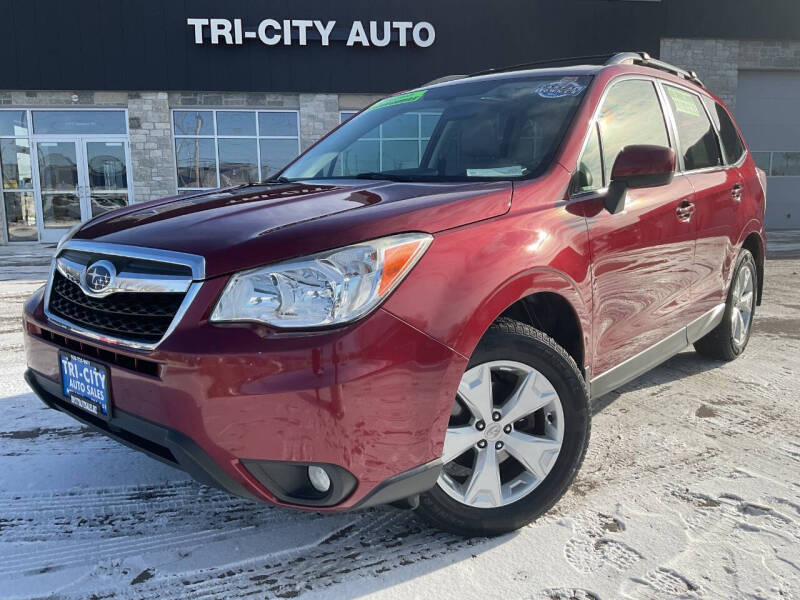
(105, 104)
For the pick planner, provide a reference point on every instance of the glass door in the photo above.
(106, 176)
(79, 178)
(60, 187)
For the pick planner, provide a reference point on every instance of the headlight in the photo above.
(329, 288)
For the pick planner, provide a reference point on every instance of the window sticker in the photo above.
(563, 88)
(683, 101)
(399, 99)
(512, 171)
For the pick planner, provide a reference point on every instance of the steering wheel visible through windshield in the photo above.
(497, 128)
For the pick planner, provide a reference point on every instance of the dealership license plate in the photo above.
(85, 384)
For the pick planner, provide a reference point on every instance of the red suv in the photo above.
(420, 308)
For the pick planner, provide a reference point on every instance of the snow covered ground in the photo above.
(691, 489)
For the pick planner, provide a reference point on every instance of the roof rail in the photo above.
(444, 79)
(645, 60)
(619, 58)
(554, 62)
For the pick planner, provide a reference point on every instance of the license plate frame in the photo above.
(85, 384)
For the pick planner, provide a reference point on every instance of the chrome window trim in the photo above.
(668, 108)
(194, 262)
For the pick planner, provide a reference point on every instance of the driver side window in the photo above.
(631, 114)
(590, 165)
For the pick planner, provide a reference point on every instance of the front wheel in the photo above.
(517, 435)
(729, 339)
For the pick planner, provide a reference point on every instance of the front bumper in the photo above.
(372, 399)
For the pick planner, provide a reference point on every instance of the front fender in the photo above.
(470, 275)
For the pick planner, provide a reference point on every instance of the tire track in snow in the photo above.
(81, 554)
(380, 541)
(131, 511)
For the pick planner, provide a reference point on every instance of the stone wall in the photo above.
(152, 149)
(718, 62)
(249, 100)
(715, 61)
(319, 113)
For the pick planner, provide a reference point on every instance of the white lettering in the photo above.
(269, 40)
(373, 33)
(357, 35)
(198, 25)
(430, 34)
(221, 28)
(402, 28)
(325, 31)
(287, 32)
(302, 30)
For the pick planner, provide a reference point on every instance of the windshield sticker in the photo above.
(513, 171)
(563, 88)
(683, 102)
(399, 99)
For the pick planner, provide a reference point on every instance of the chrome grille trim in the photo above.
(124, 281)
(196, 263)
(133, 282)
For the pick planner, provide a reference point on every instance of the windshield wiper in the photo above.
(277, 180)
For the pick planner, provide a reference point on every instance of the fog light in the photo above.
(319, 478)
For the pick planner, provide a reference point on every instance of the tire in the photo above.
(726, 341)
(513, 357)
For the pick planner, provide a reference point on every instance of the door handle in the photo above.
(685, 210)
(737, 191)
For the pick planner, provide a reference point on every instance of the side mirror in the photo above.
(638, 167)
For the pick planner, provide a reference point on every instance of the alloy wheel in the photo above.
(742, 304)
(504, 436)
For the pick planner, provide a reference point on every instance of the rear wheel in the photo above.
(729, 339)
(518, 431)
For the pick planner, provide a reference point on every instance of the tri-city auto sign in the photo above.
(301, 32)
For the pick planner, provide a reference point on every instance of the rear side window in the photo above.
(731, 142)
(696, 135)
(631, 114)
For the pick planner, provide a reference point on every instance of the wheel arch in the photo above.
(547, 300)
(755, 244)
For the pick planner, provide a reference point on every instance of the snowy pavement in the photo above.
(690, 489)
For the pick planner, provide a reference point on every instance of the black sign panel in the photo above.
(150, 45)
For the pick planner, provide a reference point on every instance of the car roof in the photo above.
(640, 63)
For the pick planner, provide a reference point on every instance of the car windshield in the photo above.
(486, 129)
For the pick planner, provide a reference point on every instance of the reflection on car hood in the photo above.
(246, 226)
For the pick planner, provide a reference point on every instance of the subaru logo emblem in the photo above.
(99, 276)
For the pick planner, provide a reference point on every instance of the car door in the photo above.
(642, 257)
(717, 196)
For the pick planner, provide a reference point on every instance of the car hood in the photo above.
(247, 226)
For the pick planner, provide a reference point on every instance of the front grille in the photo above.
(139, 317)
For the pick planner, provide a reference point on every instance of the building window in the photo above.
(59, 167)
(778, 164)
(16, 175)
(400, 142)
(218, 148)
